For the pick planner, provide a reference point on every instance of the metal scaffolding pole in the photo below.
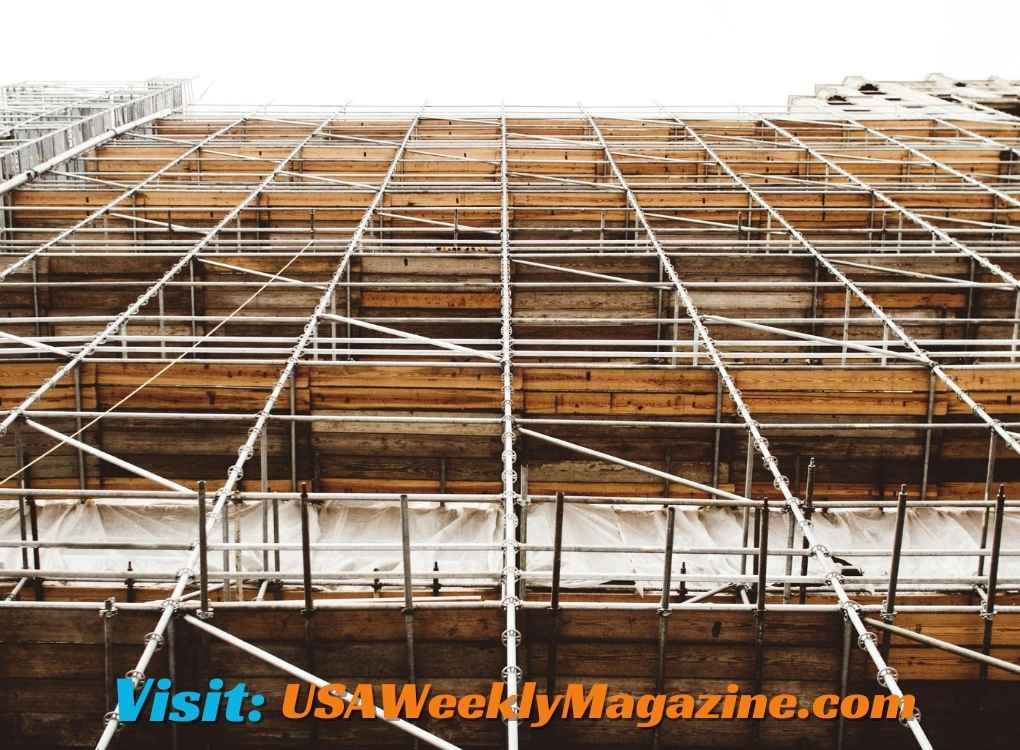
(984, 659)
(628, 260)
(988, 615)
(311, 679)
(920, 221)
(98, 453)
(127, 194)
(821, 553)
(114, 327)
(936, 368)
(889, 606)
(247, 450)
(74, 136)
(664, 613)
(1000, 195)
(707, 489)
(405, 538)
(512, 673)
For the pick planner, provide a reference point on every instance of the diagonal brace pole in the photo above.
(295, 671)
(108, 457)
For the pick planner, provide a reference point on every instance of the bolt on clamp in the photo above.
(863, 638)
(915, 716)
(154, 638)
(511, 670)
(108, 610)
(833, 576)
(884, 674)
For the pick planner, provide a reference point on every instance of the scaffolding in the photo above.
(525, 310)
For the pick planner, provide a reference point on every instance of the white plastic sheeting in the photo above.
(856, 529)
(171, 522)
(589, 525)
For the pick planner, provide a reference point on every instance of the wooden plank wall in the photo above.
(404, 456)
(51, 673)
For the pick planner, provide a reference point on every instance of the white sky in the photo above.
(516, 51)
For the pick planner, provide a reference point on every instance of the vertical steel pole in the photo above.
(237, 553)
(928, 434)
(889, 606)
(309, 609)
(171, 659)
(264, 487)
(846, 324)
(989, 479)
(993, 578)
(350, 329)
(816, 277)
(755, 561)
(658, 303)
(791, 528)
(763, 554)
(557, 552)
(522, 528)
(293, 432)
(306, 553)
(759, 610)
(225, 538)
(405, 544)
(36, 307)
(844, 681)
(332, 327)
(276, 534)
(809, 509)
(107, 613)
(79, 425)
(676, 334)
(19, 463)
(511, 636)
(162, 327)
(33, 525)
(191, 297)
(664, 612)
(970, 300)
(554, 594)
(203, 555)
(748, 476)
(717, 438)
(129, 585)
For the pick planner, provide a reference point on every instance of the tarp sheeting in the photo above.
(842, 531)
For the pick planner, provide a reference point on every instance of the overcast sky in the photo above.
(515, 51)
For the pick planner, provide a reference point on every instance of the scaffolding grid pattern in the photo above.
(489, 274)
